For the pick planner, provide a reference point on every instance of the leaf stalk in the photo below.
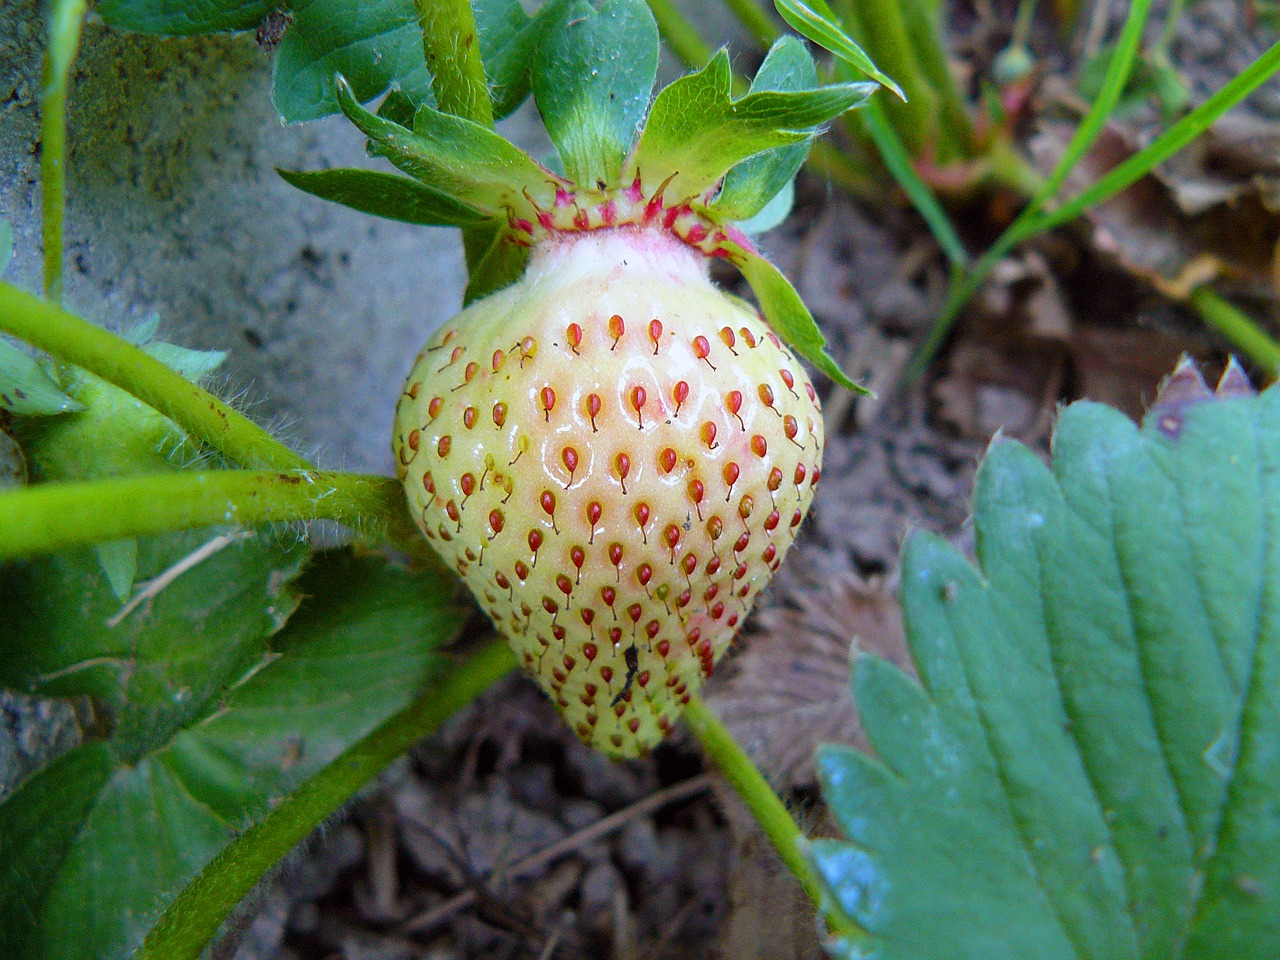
(55, 516)
(192, 919)
(75, 340)
(452, 47)
(767, 809)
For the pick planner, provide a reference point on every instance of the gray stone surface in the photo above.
(175, 207)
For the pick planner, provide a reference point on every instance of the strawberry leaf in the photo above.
(214, 723)
(754, 182)
(26, 388)
(788, 315)
(385, 195)
(178, 19)
(592, 79)
(1088, 767)
(461, 160)
(375, 45)
(696, 131)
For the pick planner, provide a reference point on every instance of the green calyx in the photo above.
(695, 162)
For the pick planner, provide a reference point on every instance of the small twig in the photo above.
(150, 589)
(552, 942)
(546, 856)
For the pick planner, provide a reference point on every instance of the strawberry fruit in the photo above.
(611, 452)
(615, 459)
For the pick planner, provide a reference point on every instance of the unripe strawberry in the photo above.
(615, 456)
(612, 453)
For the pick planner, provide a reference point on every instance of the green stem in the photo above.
(1164, 146)
(684, 41)
(1095, 120)
(768, 811)
(1239, 328)
(881, 28)
(1022, 24)
(1029, 221)
(894, 154)
(193, 918)
(66, 20)
(74, 340)
(754, 19)
(452, 46)
(56, 516)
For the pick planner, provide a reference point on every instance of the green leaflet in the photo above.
(177, 18)
(462, 161)
(754, 182)
(1088, 767)
(696, 131)
(592, 78)
(385, 195)
(375, 45)
(215, 724)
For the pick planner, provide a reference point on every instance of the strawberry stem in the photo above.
(193, 918)
(55, 516)
(452, 47)
(66, 19)
(769, 812)
(75, 340)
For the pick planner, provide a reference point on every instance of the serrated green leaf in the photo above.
(757, 181)
(788, 315)
(375, 45)
(25, 387)
(95, 845)
(508, 38)
(194, 365)
(176, 18)
(462, 161)
(1088, 768)
(696, 132)
(592, 77)
(816, 21)
(385, 195)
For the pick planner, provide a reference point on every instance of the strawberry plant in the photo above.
(614, 455)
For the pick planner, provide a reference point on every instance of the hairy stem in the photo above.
(198, 412)
(55, 516)
(766, 808)
(66, 20)
(754, 20)
(452, 46)
(194, 916)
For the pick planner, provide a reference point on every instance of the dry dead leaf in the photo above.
(789, 689)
